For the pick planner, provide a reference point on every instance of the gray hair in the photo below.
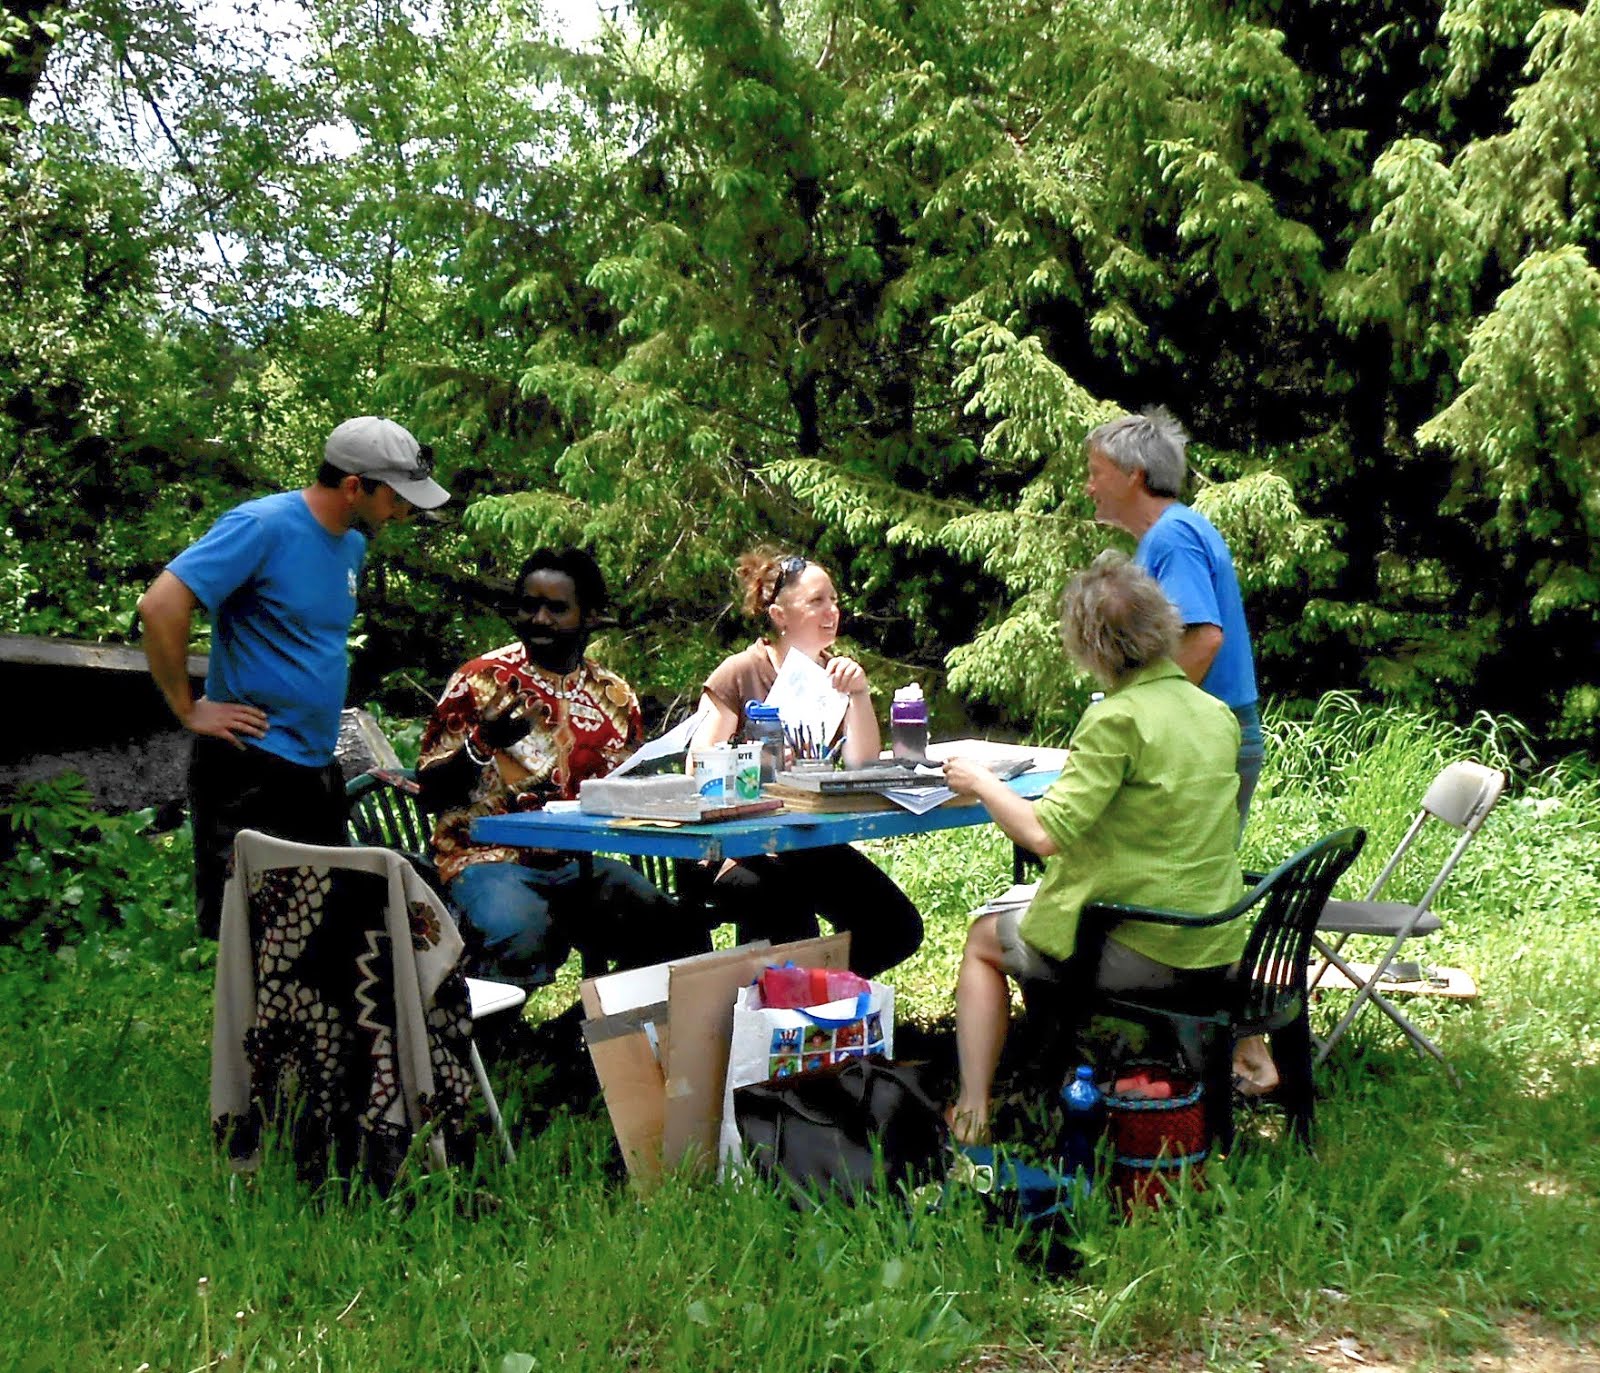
(1151, 442)
(1116, 619)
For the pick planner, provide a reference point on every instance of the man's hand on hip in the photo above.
(226, 720)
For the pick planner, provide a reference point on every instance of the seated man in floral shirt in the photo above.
(515, 728)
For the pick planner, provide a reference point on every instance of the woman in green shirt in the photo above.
(1142, 814)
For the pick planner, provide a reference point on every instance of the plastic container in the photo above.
(763, 726)
(713, 774)
(908, 726)
(747, 772)
(1085, 1120)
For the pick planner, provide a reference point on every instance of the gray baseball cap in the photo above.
(372, 447)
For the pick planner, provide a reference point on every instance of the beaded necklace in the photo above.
(546, 681)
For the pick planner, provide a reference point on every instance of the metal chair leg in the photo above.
(490, 1104)
(1366, 990)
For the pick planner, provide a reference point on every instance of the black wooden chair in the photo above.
(1264, 994)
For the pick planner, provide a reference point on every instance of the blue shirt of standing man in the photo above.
(1136, 470)
(277, 578)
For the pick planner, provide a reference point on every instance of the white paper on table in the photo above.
(675, 740)
(806, 697)
(918, 800)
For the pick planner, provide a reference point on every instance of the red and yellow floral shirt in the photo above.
(584, 724)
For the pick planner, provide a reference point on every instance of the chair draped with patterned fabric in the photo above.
(341, 1011)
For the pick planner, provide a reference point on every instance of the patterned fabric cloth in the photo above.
(584, 724)
(339, 996)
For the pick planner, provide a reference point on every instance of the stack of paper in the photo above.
(668, 797)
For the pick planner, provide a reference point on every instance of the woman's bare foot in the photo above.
(1254, 1072)
(968, 1125)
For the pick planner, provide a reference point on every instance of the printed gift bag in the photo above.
(772, 1043)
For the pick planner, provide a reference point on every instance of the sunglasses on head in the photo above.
(792, 566)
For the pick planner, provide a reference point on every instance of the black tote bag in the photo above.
(825, 1131)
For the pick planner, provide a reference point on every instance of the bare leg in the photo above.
(983, 1014)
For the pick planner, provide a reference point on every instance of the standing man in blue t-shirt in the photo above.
(1136, 470)
(277, 577)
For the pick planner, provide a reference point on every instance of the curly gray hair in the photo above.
(1115, 619)
(1151, 442)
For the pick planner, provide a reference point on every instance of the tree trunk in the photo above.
(21, 68)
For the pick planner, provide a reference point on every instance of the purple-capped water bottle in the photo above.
(908, 725)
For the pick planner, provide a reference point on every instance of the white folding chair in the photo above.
(491, 998)
(1461, 796)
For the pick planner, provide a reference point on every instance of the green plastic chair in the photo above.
(1264, 994)
(384, 813)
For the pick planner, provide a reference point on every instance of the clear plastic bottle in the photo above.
(762, 725)
(1084, 1108)
(908, 726)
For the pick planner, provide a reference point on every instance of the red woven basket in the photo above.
(1154, 1141)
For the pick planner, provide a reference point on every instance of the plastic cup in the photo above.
(747, 772)
(713, 774)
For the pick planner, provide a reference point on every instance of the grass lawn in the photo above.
(1432, 1221)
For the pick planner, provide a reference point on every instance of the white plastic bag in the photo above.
(769, 1043)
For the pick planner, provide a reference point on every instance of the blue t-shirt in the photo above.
(1183, 551)
(281, 593)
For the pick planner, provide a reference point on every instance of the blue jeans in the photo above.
(1252, 750)
(522, 921)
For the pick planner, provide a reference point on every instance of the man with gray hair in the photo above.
(278, 578)
(1136, 472)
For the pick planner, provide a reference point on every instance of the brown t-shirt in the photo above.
(740, 677)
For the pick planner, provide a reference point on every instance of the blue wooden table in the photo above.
(570, 831)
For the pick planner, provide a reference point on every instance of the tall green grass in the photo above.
(1429, 1215)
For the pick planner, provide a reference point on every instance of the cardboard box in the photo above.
(659, 1037)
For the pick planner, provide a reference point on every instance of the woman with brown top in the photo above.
(779, 897)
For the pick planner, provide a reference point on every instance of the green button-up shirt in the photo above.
(1144, 813)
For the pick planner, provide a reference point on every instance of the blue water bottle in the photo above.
(1085, 1111)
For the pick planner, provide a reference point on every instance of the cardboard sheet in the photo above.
(701, 997)
(659, 1036)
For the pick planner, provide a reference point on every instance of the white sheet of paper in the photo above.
(675, 740)
(635, 987)
(990, 751)
(1013, 898)
(806, 698)
(624, 991)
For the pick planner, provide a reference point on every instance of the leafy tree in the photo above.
(858, 277)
